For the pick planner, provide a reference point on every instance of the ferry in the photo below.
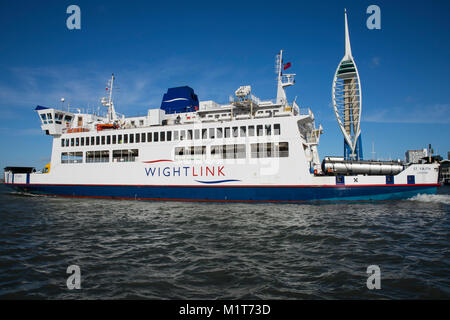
(190, 150)
(247, 150)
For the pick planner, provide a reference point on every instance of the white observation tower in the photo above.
(347, 101)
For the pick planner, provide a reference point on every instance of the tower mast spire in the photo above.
(348, 48)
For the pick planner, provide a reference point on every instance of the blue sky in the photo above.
(217, 46)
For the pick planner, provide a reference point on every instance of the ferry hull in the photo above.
(232, 193)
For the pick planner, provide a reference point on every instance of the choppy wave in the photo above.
(436, 198)
(177, 250)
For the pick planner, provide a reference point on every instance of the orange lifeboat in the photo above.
(76, 130)
(106, 126)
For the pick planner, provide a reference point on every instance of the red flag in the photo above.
(286, 65)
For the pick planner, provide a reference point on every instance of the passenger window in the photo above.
(235, 132)
(242, 131)
(259, 130)
(276, 129)
(219, 133)
(251, 131)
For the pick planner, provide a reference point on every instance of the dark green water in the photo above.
(176, 250)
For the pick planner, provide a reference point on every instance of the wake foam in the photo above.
(436, 198)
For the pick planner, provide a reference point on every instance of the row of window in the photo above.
(191, 134)
(236, 151)
(228, 151)
(127, 155)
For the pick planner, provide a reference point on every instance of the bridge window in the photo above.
(49, 117)
(58, 118)
(44, 118)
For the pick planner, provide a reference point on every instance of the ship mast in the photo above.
(111, 111)
(285, 80)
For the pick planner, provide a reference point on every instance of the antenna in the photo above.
(373, 151)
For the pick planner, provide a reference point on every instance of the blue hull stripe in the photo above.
(222, 193)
